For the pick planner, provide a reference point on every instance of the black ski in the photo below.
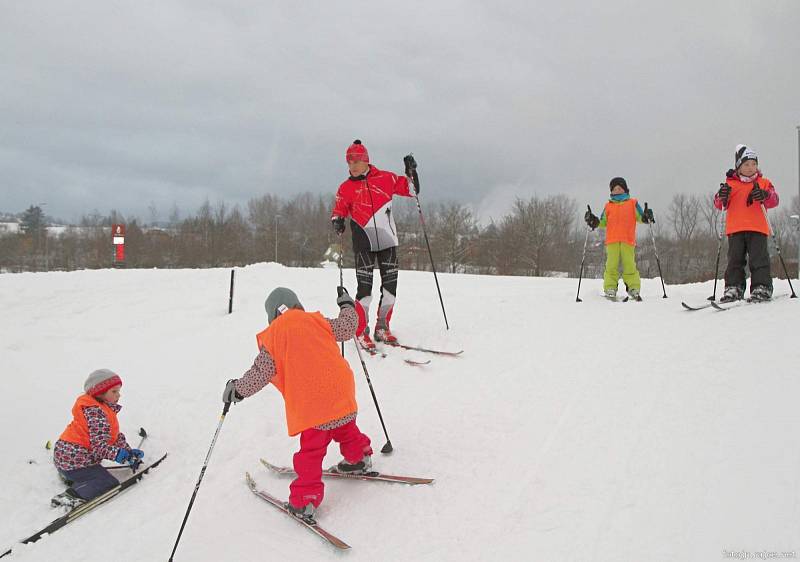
(743, 302)
(696, 307)
(311, 525)
(426, 350)
(373, 475)
(85, 508)
(382, 354)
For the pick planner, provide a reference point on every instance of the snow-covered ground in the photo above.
(566, 431)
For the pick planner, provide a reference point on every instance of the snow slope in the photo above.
(566, 431)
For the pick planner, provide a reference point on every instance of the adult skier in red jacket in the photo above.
(366, 197)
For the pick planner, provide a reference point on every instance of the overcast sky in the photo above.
(122, 104)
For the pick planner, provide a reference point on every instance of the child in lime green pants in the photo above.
(617, 252)
(619, 218)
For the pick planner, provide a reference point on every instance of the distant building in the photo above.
(9, 228)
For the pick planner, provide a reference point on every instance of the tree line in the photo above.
(538, 236)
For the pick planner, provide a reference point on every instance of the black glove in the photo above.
(730, 173)
(410, 164)
(757, 194)
(344, 298)
(647, 215)
(338, 225)
(591, 220)
(723, 193)
(411, 170)
(230, 394)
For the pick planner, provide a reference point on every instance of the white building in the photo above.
(9, 228)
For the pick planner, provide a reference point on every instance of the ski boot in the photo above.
(760, 293)
(731, 294)
(67, 499)
(610, 294)
(363, 466)
(633, 294)
(365, 341)
(384, 335)
(305, 513)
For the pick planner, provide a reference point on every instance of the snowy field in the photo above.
(593, 431)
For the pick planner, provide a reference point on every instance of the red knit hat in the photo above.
(357, 152)
(101, 381)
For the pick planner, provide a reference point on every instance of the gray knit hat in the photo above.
(279, 301)
(101, 381)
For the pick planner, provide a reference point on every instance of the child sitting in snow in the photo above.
(744, 192)
(619, 218)
(299, 356)
(93, 435)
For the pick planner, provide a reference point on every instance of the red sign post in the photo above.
(118, 239)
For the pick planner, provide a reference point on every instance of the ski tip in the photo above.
(250, 482)
(274, 467)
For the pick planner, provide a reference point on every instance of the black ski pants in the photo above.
(751, 248)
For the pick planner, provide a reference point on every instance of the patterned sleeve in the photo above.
(100, 433)
(121, 442)
(344, 327)
(257, 376)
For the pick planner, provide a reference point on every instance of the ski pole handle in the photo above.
(143, 435)
(411, 170)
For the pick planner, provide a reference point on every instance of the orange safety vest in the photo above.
(621, 222)
(742, 218)
(316, 382)
(78, 429)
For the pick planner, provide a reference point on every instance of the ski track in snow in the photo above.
(566, 431)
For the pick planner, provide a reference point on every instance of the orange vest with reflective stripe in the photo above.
(740, 217)
(78, 429)
(315, 380)
(621, 222)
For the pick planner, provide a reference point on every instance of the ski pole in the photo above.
(135, 465)
(778, 249)
(655, 251)
(143, 435)
(719, 248)
(341, 278)
(583, 259)
(200, 479)
(138, 462)
(411, 168)
(230, 295)
(388, 447)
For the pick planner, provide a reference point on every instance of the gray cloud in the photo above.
(114, 105)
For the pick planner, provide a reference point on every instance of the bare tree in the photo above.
(684, 217)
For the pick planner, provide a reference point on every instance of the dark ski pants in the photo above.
(748, 247)
(365, 266)
(89, 482)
